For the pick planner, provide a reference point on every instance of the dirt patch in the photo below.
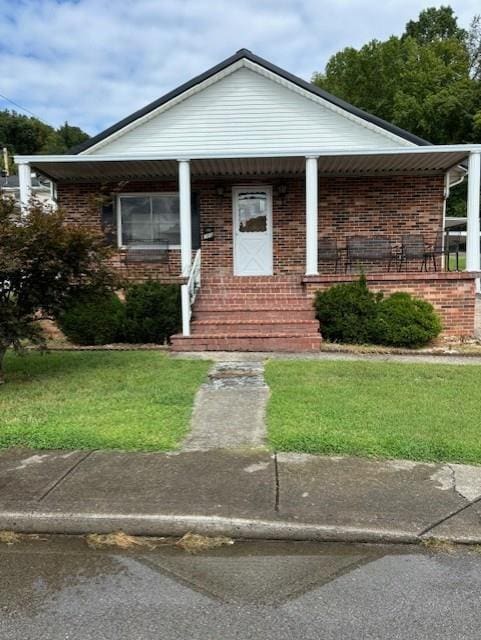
(465, 347)
(195, 543)
(118, 539)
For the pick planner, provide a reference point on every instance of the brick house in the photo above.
(252, 188)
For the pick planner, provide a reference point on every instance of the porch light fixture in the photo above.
(220, 191)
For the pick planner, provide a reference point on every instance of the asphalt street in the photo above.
(58, 588)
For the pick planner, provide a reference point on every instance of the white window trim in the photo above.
(140, 194)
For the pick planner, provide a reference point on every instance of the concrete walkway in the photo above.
(240, 493)
(229, 409)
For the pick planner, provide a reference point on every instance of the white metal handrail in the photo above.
(189, 293)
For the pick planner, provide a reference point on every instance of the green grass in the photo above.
(461, 262)
(97, 400)
(388, 410)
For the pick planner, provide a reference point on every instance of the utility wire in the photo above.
(19, 106)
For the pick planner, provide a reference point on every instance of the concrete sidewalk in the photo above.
(250, 494)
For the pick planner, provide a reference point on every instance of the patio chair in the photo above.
(453, 246)
(438, 250)
(329, 252)
(362, 249)
(413, 247)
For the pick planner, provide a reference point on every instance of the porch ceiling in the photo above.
(98, 169)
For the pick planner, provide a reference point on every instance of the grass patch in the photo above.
(98, 400)
(460, 264)
(390, 410)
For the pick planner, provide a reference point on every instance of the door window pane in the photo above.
(252, 208)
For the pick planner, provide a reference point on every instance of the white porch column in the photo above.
(25, 183)
(185, 217)
(311, 216)
(185, 240)
(473, 227)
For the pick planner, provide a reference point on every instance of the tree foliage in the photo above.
(25, 135)
(44, 263)
(435, 24)
(427, 81)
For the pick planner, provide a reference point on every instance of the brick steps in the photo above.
(251, 314)
(284, 343)
(217, 303)
(228, 314)
(253, 327)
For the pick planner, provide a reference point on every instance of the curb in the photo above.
(48, 522)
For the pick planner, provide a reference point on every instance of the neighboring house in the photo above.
(261, 188)
(41, 188)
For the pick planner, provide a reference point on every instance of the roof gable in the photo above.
(246, 105)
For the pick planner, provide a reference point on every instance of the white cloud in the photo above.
(92, 62)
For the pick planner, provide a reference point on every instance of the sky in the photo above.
(92, 62)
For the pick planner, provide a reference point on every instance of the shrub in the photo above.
(404, 321)
(347, 312)
(152, 311)
(93, 318)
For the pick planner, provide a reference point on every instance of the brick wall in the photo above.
(82, 204)
(451, 294)
(347, 206)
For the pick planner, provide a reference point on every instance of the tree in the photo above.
(44, 263)
(71, 136)
(427, 81)
(25, 135)
(422, 81)
(435, 24)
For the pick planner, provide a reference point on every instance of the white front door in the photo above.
(252, 219)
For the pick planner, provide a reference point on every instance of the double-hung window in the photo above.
(148, 220)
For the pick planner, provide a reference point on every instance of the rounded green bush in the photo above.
(93, 319)
(346, 312)
(405, 321)
(153, 312)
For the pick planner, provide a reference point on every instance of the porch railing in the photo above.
(189, 293)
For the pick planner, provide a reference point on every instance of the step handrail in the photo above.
(189, 292)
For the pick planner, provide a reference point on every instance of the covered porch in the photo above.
(313, 219)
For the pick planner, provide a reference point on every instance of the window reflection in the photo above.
(150, 220)
(252, 211)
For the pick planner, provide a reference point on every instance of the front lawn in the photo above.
(98, 400)
(391, 410)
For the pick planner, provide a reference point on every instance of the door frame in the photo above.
(257, 187)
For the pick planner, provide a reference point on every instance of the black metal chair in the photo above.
(413, 247)
(453, 246)
(438, 250)
(362, 249)
(328, 252)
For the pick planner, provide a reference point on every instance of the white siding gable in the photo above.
(247, 112)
